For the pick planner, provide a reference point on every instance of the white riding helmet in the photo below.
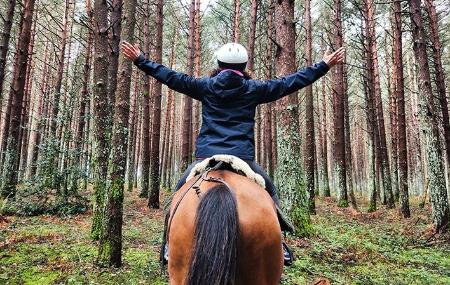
(232, 53)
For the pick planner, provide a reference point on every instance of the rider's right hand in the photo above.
(129, 51)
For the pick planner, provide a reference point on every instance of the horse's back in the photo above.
(259, 247)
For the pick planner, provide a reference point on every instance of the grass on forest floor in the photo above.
(346, 248)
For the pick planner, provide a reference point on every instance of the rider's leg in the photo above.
(284, 223)
(270, 188)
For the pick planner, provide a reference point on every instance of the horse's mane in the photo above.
(214, 257)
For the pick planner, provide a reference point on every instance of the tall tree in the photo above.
(383, 156)
(84, 100)
(289, 176)
(155, 177)
(252, 35)
(110, 248)
(326, 181)
(10, 167)
(4, 46)
(399, 94)
(236, 21)
(430, 124)
(186, 145)
(146, 128)
(439, 72)
(115, 27)
(338, 101)
(309, 114)
(100, 77)
(268, 107)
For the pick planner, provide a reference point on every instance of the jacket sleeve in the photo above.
(273, 90)
(177, 81)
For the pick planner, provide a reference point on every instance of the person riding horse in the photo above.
(229, 99)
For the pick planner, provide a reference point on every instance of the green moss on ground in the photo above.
(345, 247)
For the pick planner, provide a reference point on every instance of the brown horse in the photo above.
(227, 235)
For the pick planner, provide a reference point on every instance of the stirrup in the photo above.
(288, 255)
(164, 252)
(285, 224)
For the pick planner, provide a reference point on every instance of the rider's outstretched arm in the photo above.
(177, 81)
(275, 89)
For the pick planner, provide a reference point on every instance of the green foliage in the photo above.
(343, 203)
(32, 200)
(347, 251)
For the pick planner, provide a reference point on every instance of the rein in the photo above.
(196, 186)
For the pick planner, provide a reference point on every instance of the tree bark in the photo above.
(236, 21)
(430, 124)
(186, 141)
(10, 167)
(309, 114)
(114, 41)
(146, 130)
(439, 73)
(339, 129)
(4, 47)
(399, 94)
(100, 101)
(84, 100)
(289, 176)
(155, 177)
(110, 248)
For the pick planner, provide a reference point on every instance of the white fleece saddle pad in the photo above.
(234, 162)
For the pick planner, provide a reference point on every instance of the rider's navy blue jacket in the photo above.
(229, 102)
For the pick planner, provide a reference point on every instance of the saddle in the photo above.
(229, 162)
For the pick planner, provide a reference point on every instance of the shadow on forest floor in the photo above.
(346, 248)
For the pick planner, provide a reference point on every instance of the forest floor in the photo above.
(346, 248)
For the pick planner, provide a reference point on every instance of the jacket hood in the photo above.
(227, 84)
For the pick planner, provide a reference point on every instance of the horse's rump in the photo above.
(258, 256)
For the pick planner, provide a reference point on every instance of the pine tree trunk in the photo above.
(197, 71)
(371, 172)
(10, 167)
(236, 21)
(252, 35)
(100, 90)
(4, 47)
(399, 94)
(27, 106)
(82, 119)
(430, 124)
(186, 142)
(145, 178)
(134, 109)
(289, 176)
(391, 81)
(169, 113)
(40, 116)
(114, 41)
(326, 181)
(155, 177)
(268, 107)
(348, 150)
(339, 129)
(110, 248)
(309, 114)
(439, 73)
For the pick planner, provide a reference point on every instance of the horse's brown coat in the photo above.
(260, 260)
